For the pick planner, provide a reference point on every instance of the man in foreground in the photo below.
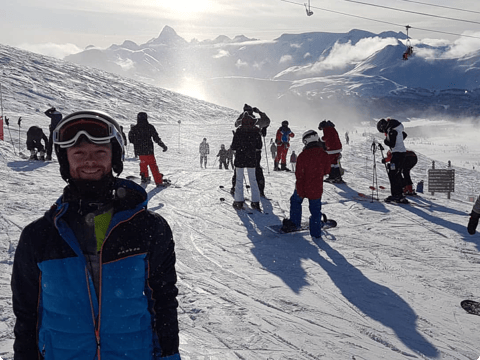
(94, 278)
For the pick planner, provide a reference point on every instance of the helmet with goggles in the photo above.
(94, 126)
(309, 137)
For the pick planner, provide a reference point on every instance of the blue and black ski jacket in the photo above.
(60, 316)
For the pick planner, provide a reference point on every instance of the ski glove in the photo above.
(473, 222)
(165, 148)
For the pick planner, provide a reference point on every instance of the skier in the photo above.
(474, 216)
(204, 150)
(222, 155)
(141, 136)
(55, 117)
(230, 158)
(284, 134)
(333, 147)
(293, 160)
(313, 164)
(246, 143)
(95, 276)
(273, 149)
(408, 164)
(393, 130)
(262, 123)
(35, 136)
(347, 138)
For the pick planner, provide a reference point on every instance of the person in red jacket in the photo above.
(284, 134)
(313, 164)
(333, 147)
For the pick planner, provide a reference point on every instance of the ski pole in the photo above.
(19, 120)
(11, 139)
(266, 155)
(374, 179)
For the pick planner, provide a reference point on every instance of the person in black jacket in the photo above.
(246, 142)
(141, 136)
(262, 123)
(35, 136)
(94, 278)
(55, 117)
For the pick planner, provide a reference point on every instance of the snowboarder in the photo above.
(55, 117)
(35, 136)
(394, 136)
(474, 216)
(313, 164)
(293, 160)
(408, 164)
(333, 147)
(141, 136)
(98, 256)
(246, 143)
(282, 140)
(204, 150)
(222, 155)
(262, 123)
(273, 149)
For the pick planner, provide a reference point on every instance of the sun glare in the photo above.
(190, 7)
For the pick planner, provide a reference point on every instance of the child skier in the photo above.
(313, 164)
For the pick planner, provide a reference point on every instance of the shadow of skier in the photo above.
(374, 300)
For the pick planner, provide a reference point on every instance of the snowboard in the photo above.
(470, 306)
(330, 223)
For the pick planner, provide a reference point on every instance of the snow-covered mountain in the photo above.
(385, 284)
(355, 75)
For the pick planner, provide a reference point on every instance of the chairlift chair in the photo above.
(307, 9)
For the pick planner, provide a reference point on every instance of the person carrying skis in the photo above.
(293, 160)
(313, 164)
(246, 143)
(94, 277)
(410, 161)
(333, 147)
(35, 136)
(282, 140)
(222, 155)
(204, 150)
(55, 117)
(141, 136)
(394, 136)
(263, 122)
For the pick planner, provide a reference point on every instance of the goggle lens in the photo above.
(96, 131)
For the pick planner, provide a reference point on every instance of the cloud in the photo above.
(285, 58)
(58, 51)
(221, 53)
(343, 55)
(241, 63)
(464, 45)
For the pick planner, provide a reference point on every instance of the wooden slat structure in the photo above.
(441, 180)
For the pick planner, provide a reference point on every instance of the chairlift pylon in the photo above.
(409, 48)
(307, 9)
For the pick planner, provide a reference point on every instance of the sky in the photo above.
(58, 28)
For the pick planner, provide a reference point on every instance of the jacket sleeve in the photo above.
(25, 286)
(156, 138)
(162, 280)
(300, 176)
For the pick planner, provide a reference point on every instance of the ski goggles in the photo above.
(96, 130)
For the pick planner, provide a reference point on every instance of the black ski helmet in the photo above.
(142, 116)
(382, 125)
(118, 147)
(284, 123)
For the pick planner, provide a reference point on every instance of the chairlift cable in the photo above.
(383, 21)
(442, 6)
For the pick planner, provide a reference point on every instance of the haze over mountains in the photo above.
(356, 75)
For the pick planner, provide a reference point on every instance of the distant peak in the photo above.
(168, 36)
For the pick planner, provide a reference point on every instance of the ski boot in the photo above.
(238, 205)
(288, 226)
(256, 206)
